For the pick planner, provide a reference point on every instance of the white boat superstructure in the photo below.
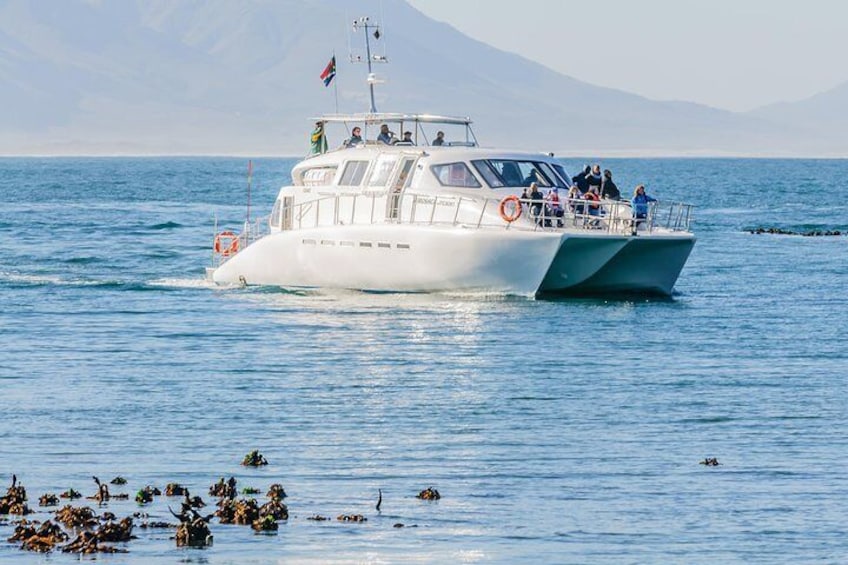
(426, 219)
(433, 213)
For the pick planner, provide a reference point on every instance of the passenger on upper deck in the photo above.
(318, 141)
(386, 136)
(407, 139)
(580, 179)
(640, 202)
(440, 139)
(608, 189)
(355, 138)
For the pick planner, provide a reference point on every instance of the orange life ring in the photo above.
(509, 218)
(226, 243)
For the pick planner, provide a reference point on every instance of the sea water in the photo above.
(556, 430)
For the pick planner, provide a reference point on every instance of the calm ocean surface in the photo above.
(557, 431)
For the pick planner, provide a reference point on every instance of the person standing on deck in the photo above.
(318, 140)
(609, 190)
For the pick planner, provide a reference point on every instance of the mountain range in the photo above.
(240, 77)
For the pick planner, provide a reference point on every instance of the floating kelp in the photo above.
(254, 459)
(265, 524)
(276, 491)
(193, 530)
(223, 489)
(77, 517)
(15, 500)
(710, 462)
(351, 518)
(250, 490)
(116, 531)
(275, 509)
(429, 494)
(318, 518)
(174, 489)
(145, 495)
(41, 539)
(70, 494)
(89, 542)
(48, 499)
(809, 233)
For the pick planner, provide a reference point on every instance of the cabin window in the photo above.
(353, 173)
(511, 172)
(455, 174)
(319, 176)
(485, 170)
(384, 167)
(563, 174)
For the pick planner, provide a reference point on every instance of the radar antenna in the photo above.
(365, 24)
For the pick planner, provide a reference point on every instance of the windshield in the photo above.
(514, 172)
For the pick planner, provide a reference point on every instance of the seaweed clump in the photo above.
(254, 459)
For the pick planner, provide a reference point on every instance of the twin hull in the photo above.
(403, 258)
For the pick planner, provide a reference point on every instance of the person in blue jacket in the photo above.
(640, 203)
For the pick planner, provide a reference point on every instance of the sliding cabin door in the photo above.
(402, 180)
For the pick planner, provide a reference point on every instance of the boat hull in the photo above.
(641, 264)
(396, 258)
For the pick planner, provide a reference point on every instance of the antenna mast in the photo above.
(364, 24)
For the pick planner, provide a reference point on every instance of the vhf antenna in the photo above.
(364, 24)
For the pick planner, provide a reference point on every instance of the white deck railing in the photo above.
(614, 217)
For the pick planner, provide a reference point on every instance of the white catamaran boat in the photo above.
(418, 217)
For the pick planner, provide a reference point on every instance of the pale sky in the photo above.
(730, 54)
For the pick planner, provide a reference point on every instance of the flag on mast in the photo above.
(329, 72)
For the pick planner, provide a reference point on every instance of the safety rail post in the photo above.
(414, 209)
(456, 212)
(373, 205)
(482, 212)
(353, 210)
(433, 210)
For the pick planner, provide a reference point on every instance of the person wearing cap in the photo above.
(407, 139)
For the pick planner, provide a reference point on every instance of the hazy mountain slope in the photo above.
(241, 76)
(826, 113)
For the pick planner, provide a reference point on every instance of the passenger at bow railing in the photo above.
(536, 202)
(575, 201)
(553, 208)
(640, 204)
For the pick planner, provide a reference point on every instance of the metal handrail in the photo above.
(577, 214)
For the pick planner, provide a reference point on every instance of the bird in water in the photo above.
(379, 499)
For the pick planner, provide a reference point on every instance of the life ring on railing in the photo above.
(226, 243)
(509, 218)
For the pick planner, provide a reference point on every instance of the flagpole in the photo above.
(336, 86)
